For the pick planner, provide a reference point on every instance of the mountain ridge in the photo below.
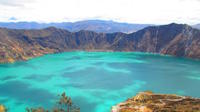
(174, 39)
(92, 25)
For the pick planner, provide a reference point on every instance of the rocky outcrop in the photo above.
(150, 102)
(173, 39)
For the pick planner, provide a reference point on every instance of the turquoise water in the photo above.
(95, 80)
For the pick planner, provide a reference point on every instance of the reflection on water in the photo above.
(95, 80)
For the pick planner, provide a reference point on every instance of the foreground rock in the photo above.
(150, 102)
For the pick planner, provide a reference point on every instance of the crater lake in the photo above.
(95, 81)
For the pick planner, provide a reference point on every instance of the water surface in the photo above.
(95, 80)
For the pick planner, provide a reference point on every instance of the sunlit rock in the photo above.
(150, 102)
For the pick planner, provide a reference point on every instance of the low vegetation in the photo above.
(64, 104)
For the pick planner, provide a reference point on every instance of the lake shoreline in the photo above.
(109, 51)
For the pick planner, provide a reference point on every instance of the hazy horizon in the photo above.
(120, 22)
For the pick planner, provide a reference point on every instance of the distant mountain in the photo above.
(91, 25)
(197, 26)
(173, 39)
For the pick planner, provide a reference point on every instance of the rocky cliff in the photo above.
(150, 102)
(173, 39)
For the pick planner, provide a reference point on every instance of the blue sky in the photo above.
(131, 11)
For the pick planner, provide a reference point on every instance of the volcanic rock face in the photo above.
(150, 102)
(173, 39)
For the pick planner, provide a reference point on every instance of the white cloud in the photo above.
(133, 11)
(15, 3)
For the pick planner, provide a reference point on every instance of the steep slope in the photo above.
(91, 25)
(173, 39)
